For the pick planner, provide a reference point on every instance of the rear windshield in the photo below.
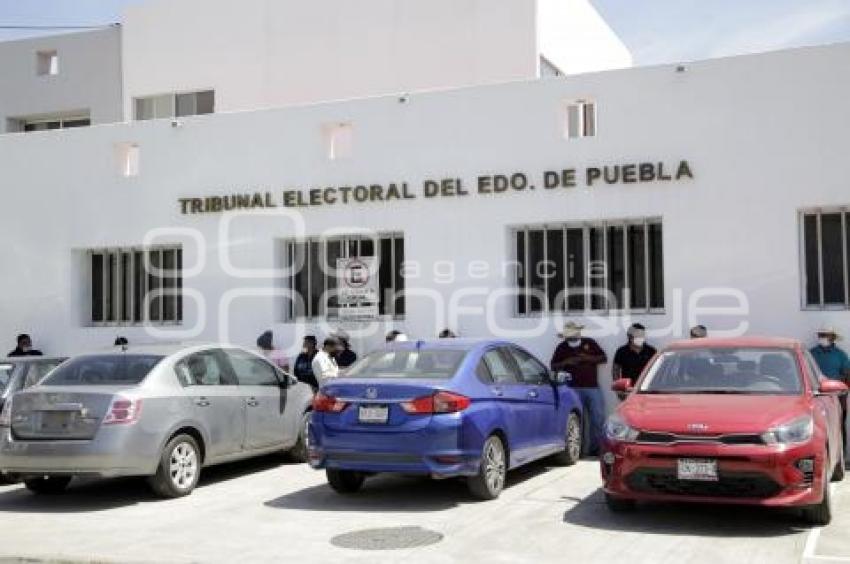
(724, 371)
(407, 364)
(103, 370)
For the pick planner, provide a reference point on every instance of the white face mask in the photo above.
(638, 341)
(824, 342)
(573, 342)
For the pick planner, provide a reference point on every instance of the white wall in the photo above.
(268, 53)
(576, 39)
(736, 225)
(89, 77)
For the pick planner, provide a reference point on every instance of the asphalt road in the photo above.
(270, 511)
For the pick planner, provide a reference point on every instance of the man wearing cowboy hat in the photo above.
(580, 356)
(832, 361)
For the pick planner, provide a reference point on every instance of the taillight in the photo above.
(329, 404)
(123, 411)
(439, 402)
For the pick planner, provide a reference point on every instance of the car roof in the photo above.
(158, 349)
(31, 359)
(737, 342)
(447, 344)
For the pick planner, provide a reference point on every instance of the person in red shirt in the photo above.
(580, 356)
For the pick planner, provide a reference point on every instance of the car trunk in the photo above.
(60, 413)
(379, 392)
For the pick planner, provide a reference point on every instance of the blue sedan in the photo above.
(447, 408)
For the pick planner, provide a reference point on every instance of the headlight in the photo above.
(797, 431)
(618, 430)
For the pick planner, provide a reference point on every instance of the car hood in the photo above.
(716, 414)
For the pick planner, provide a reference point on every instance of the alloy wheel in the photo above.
(494, 465)
(183, 466)
(574, 438)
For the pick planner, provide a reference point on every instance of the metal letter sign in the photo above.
(358, 287)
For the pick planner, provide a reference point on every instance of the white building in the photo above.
(717, 184)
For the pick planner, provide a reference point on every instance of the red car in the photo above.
(743, 421)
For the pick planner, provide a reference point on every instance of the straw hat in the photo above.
(829, 330)
(571, 330)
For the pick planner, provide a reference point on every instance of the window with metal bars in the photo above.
(598, 266)
(825, 239)
(136, 286)
(313, 277)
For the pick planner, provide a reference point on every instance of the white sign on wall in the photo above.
(358, 287)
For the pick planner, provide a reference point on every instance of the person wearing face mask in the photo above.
(304, 362)
(24, 347)
(632, 358)
(579, 356)
(832, 361)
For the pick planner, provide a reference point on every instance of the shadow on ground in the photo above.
(686, 519)
(86, 495)
(395, 493)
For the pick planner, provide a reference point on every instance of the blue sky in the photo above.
(656, 31)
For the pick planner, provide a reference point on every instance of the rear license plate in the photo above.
(702, 469)
(56, 420)
(373, 413)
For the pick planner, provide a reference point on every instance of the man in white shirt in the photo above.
(324, 363)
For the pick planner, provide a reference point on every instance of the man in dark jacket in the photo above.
(303, 369)
(24, 347)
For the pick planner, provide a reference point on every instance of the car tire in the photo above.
(820, 515)
(345, 481)
(299, 453)
(489, 482)
(572, 451)
(179, 468)
(51, 485)
(840, 469)
(618, 504)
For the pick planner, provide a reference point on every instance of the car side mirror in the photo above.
(831, 387)
(622, 386)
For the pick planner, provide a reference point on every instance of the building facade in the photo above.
(709, 193)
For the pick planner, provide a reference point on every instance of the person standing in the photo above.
(832, 361)
(580, 357)
(24, 347)
(632, 358)
(834, 364)
(303, 369)
(265, 343)
(324, 363)
(346, 356)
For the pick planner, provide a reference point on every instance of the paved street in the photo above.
(269, 510)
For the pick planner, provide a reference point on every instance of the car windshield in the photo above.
(408, 364)
(757, 371)
(103, 370)
(5, 375)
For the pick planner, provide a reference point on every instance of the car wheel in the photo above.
(839, 472)
(618, 504)
(345, 481)
(298, 453)
(179, 468)
(821, 514)
(51, 485)
(490, 480)
(572, 450)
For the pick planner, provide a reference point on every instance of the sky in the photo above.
(656, 31)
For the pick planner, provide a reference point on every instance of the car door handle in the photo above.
(533, 394)
(252, 402)
(498, 392)
(202, 402)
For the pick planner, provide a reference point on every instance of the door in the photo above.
(545, 419)
(511, 398)
(217, 400)
(267, 419)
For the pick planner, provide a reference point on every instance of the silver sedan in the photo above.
(160, 412)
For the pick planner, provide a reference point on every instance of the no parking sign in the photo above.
(358, 287)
